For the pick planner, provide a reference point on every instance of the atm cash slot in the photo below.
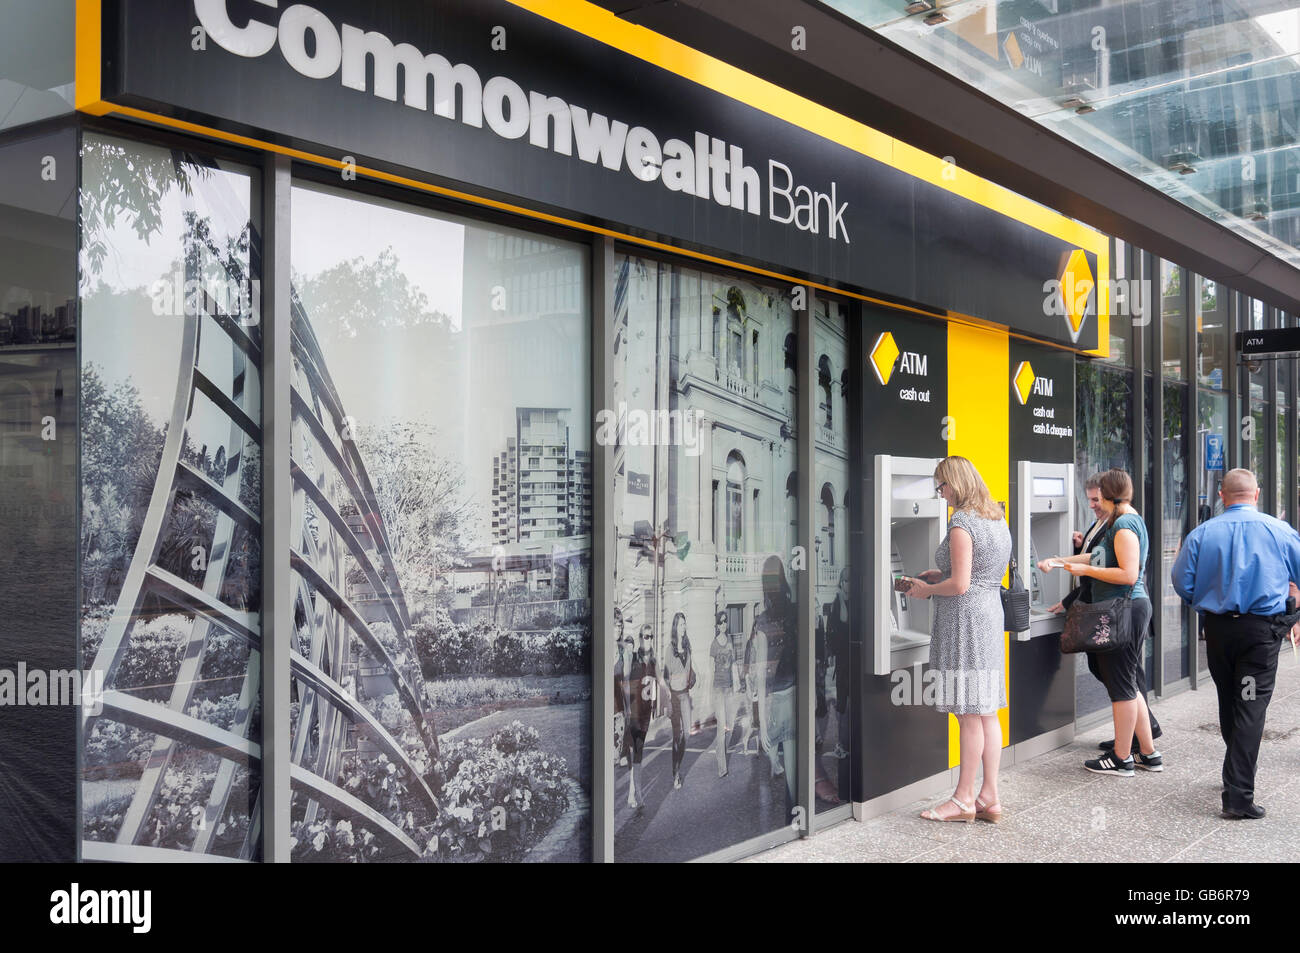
(911, 617)
(909, 523)
(1044, 523)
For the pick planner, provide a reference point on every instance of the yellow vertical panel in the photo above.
(979, 383)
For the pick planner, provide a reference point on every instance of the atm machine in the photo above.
(910, 522)
(1044, 524)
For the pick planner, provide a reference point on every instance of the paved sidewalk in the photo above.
(1056, 811)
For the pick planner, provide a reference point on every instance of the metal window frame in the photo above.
(603, 541)
(277, 487)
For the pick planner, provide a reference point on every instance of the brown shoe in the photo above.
(986, 812)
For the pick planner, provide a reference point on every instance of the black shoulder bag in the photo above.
(1105, 626)
(1015, 602)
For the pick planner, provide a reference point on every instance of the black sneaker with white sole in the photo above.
(1150, 762)
(1109, 764)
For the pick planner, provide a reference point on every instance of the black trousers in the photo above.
(1242, 652)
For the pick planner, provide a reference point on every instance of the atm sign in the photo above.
(1026, 384)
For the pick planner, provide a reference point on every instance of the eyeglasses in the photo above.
(938, 490)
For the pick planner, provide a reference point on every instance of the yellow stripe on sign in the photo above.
(600, 24)
(979, 381)
(86, 77)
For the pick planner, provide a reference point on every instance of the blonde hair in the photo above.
(969, 489)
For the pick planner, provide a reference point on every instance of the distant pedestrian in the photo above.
(1237, 570)
(645, 689)
(723, 653)
(679, 672)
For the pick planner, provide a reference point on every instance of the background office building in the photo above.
(386, 448)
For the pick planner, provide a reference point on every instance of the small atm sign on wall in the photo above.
(1272, 341)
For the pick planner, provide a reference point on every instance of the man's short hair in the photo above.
(1239, 482)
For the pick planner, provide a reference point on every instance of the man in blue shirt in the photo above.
(1236, 570)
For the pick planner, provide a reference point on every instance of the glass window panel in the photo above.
(1212, 335)
(834, 581)
(38, 491)
(1173, 319)
(443, 492)
(1258, 448)
(705, 522)
(1280, 508)
(1174, 526)
(171, 499)
(36, 61)
(1104, 439)
(1121, 311)
(1211, 427)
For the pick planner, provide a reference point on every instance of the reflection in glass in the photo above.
(1212, 422)
(1173, 529)
(171, 504)
(1104, 439)
(1173, 323)
(831, 542)
(704, 475)
(36, 61)
(1212, 339)
(38, 490)
(1197, 99)
(442, 538)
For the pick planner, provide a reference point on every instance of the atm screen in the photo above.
(1049, 486)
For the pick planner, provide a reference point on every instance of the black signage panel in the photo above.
(1272, 341)
(486, 96)
(1041, 392)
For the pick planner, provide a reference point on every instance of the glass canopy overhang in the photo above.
(1198, 98)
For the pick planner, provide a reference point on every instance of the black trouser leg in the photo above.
(1243, 663)
(1142, 687)
(1221, 670)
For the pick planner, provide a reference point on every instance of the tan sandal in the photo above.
(966, 816)
(982, 812)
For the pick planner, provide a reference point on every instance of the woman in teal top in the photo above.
(1115, 567)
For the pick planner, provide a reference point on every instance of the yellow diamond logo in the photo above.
(1023, 381)
(1076, 290)
(883, 355)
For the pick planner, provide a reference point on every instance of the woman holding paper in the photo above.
(1115, 569)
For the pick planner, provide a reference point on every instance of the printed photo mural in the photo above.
(703, 616)
(833, 586)
(441, 560)
(171, 485)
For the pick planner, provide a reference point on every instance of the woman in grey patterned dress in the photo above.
(966, 646)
